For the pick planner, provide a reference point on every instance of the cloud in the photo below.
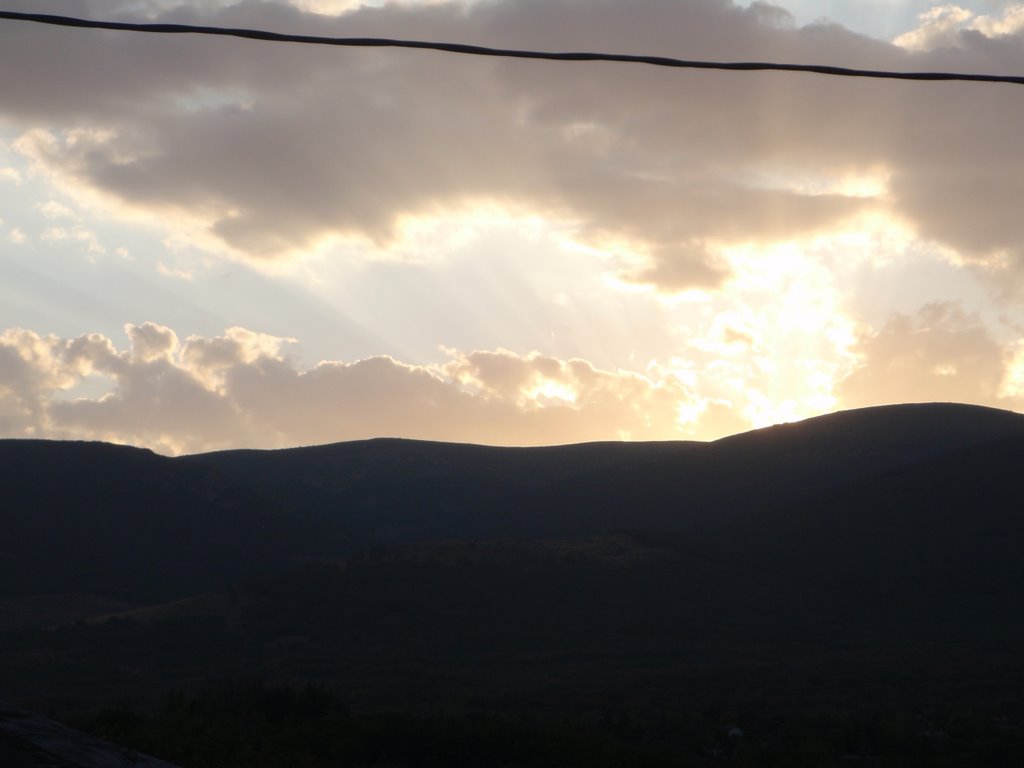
(30, 369)
(939, 354)
(939, 28)
(51, 209)
(243, 389)
(77, 233)
(152, 342)
(950, 26)
(181, 273)
(264, 150)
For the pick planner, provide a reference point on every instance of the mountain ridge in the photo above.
(121, 521)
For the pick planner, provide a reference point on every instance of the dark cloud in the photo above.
(278, 146)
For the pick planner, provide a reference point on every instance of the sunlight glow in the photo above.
(761, 411)
(688, 413)
(544, 392)
(779, 350)
(1013, 380)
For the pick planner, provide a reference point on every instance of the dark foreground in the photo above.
(252, 725)
(29, 740)
(844, 591)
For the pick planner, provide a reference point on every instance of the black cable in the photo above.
(380, 42)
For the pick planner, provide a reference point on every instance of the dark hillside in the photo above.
(779, 466)
(865, 565)
(950, 526)
(106, 519)
(406, 490)
(90, 517)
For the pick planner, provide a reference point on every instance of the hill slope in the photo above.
(406, 490)
(89, 517)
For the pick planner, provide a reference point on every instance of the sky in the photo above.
(209, 243)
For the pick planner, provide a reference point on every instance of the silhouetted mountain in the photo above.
(409, 490)
(950, 528)
(863, 557)
(406, 490)
(90, 517)
(753, 472)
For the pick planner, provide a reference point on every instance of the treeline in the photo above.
(247, 724)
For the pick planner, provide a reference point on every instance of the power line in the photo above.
(479, 50)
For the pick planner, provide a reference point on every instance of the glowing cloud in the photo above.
(243, 389)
